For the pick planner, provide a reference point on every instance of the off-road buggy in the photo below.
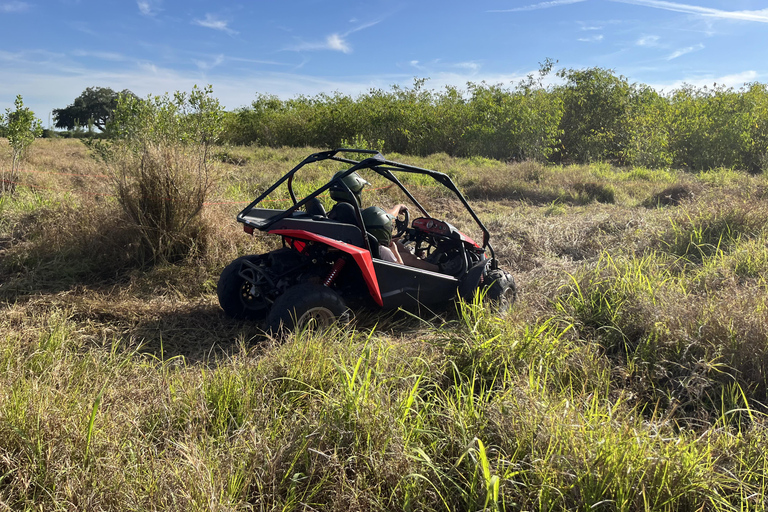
(329, 263)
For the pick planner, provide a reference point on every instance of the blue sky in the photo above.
(50, 50)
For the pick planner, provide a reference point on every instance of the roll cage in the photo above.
(263, 219)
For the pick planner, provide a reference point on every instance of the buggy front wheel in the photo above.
(501, 291)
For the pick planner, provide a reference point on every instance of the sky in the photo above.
(51, 50)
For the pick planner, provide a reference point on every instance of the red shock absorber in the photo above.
(335, 271)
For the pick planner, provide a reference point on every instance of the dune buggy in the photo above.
(329, 263)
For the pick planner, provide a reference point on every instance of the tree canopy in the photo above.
(94, 106)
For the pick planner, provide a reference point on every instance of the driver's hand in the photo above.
(396, 210)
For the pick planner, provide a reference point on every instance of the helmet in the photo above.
(355, 184)
(378, 223)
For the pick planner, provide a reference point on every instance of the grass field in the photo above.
(631, 375)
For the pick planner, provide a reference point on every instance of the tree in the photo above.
(21, 128)
(94, 106)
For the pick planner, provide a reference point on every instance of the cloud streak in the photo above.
(685, 51)
(760, 16)
(541, 5)
(334, 42)
(214, 22)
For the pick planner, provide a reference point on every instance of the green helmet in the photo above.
(355, 184)
(378, 223)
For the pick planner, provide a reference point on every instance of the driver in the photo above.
(377, 221)
(379, 224)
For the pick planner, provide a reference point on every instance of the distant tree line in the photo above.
(593, 115)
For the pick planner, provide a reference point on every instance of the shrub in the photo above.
(595, 121)
(710, 128)
(648, 138)
(21, 128)
(512, 125)
(159, 160)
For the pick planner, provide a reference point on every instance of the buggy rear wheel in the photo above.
(239, 298)
(307, 306)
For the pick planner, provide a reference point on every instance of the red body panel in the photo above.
(361, 256)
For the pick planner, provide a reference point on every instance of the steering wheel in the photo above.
(401, 226)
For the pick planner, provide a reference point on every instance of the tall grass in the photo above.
(366, 424)
(630, 375)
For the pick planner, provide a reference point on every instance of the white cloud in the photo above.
(542, 5)
(335, 42)
(685, 51)
(439, 67)
(14, 6)
(593, 39)
(148, 7)
(760, 16)
(214, 22)
(648, 41)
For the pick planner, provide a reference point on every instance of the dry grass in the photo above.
(631, 374)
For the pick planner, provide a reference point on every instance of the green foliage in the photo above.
(648, 133)
(491, 121)
(595, 122)
(159, 159)
(21, 128)
(512, 125)
(594, 116)
(708, 128)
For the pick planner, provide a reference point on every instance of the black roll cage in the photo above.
(375, 162)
